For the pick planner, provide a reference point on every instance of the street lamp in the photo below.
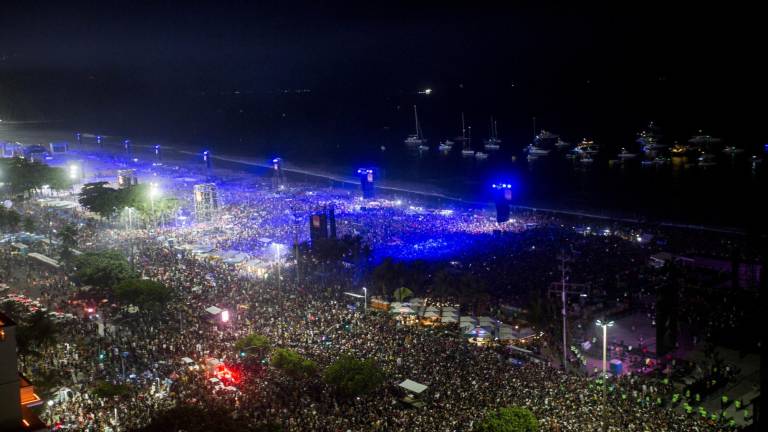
(73, 171)
(605, 326)
(365, 299)
(154, 191)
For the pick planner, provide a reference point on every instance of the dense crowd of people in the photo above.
(310, 315)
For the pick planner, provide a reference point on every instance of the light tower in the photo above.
(158, 156)
(278, 177)
(206, 202)
(127, 147)
(502, 197)
(366, 182)
(78, 138)
(99, 141)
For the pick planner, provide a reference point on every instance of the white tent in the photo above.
(485, 321)
(431, 314)
(416, 301)
(201, 249)
(213, 310)
(448, 319)
(466, 318)
(403, 310)
(42, 258)
(477, 332)
(432, 309)
(412, 386)
(450, 309)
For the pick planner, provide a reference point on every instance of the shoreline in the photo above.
(53, 135)
(336, 178)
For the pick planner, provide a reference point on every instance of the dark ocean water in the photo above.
(337, 133)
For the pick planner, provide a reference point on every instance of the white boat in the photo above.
(731, 150)
(587, 146)
(423, 147)
(707, 160)
(624, 155)
(493, 142)
(704, 140)
(481, 155)
(535, 150)
(463, 135)
(418, 137)
(649, 139)
(546, 135)
(445, 147)
(467, 150)
(562, 144)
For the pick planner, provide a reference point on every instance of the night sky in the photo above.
(693, 66)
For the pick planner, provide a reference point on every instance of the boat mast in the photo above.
(416, 117)
(490, 131)
(469, 138)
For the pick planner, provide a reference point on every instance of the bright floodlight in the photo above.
(225, 316)
(154, 190)
(73, 171)
(600, 323)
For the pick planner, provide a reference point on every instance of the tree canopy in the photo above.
(147, 294)
(106, 201)
(24, 176)
(509, 419)
(252, 343)
(352, 377)
(102, 269)
(293, 364)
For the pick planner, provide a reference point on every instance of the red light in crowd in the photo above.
(225, 374)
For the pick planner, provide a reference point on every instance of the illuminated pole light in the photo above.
(365, 299)
(225, 316)
(605, 326)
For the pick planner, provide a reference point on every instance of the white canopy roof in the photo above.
(213, 310)
(449, 309)
(45, 259)
(448, 319)
(432, 309)
(467, 319)
(431, 314)
(413, 386)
